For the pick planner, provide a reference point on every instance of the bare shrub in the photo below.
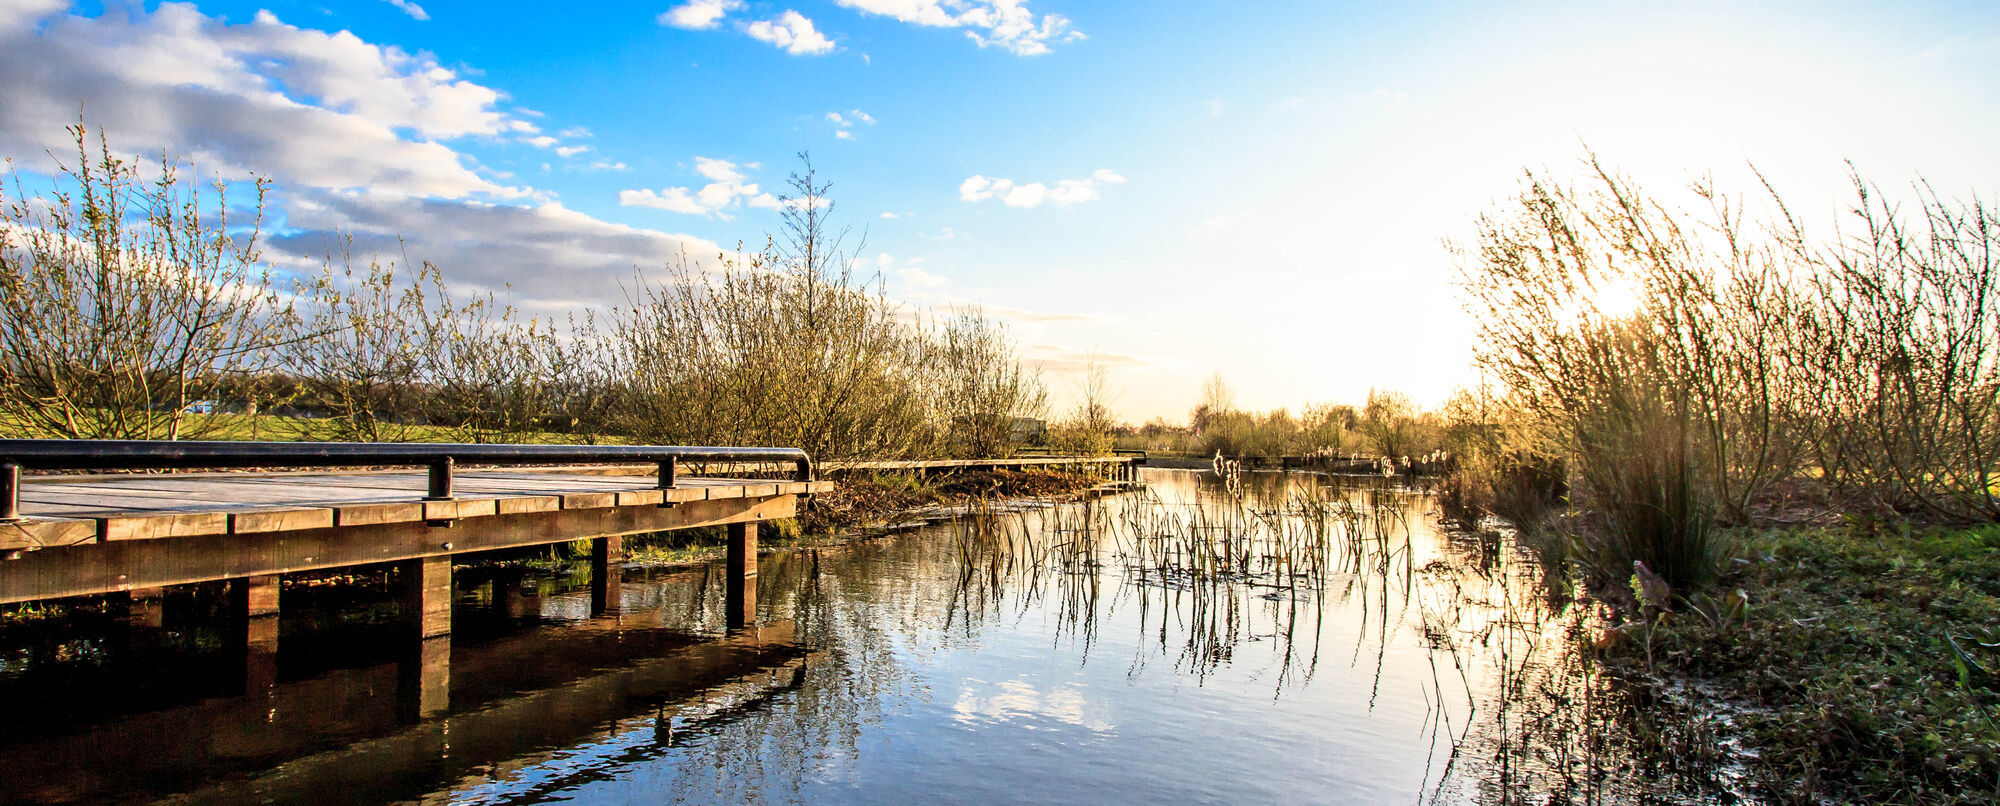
(980, 385)
(789, 346)
(1898, 354)
(123, 304)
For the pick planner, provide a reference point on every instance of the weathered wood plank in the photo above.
(162, 525)
(589, 500)
(460, 508)
(516, 505)
(280, 519)
(639, 498)
(40, 533)
(376, 514)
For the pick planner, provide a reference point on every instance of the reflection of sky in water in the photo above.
(1043, 657)
(943, 681)
(1020, 701)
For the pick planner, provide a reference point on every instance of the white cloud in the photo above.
(575, 132)
(571, 151)
(354, 134)
(1063, 193)
(726, 190)
(891, 216)
(1006, 24)
(553, 257)
(847, 121)
(314, 109)
(791, 32)
(718, 170)
(698, 15)
(415, 11)
(1391, 99)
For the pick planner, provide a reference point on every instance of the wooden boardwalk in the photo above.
(135, 533)
(71, 510)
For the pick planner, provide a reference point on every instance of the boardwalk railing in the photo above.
(107, 454)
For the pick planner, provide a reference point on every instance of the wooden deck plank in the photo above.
(41, 533)
(280, 519)
(162, 525)
(377, 514)
(207, 496)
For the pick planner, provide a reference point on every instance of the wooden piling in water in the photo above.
(425, 588)
(607, 568)
(740, 579)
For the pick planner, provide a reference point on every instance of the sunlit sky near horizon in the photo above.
(1260, 189)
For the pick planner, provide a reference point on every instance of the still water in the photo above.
(1268, 638)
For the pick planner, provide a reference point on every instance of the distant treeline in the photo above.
(1389, 424)
(137, 305)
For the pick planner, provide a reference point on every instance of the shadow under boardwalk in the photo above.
(402, 729)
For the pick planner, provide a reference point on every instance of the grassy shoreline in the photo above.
(1841, 671)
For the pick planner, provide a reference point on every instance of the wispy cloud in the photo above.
(844, 122)
(698, 15)
(1063, 193)
(1391, 99)
(1005, 24)
(415, 11)
(1062, 358)
(791, 32)
(726, 190)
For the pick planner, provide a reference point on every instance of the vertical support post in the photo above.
(669, 469)
(423, 678)
(257, 601)
(10, 492)
(440, 480)
(607, 563)
(740, 584)
(257, 595)
(146, 607)
(426, 594)
(805, 470)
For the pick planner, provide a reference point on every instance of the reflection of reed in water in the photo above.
(1215, 579)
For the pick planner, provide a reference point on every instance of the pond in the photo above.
(1266, 637)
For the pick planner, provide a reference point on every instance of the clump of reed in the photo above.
(1683, 365)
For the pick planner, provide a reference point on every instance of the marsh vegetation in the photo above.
(135, 305)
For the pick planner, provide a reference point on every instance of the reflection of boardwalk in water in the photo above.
(400, 729)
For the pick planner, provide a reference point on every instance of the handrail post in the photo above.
(805, 470)
(669, 469)
(440, 480)
(10, 492)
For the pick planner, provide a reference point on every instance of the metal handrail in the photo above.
(136, 454)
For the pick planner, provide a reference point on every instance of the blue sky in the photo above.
(1256, 188)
